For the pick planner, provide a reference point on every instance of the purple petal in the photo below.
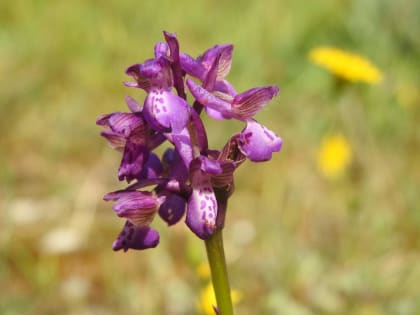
(152, 168)
(132, 104)
(175, 165)
(224, 52)
(166, 111)
(135, 237)
(182, 143)
(248, 103)
(103, 120)
(161, 50)
(210, 166)
(225, 87)
(258, 143)
(125, 123)
(192, 66)
(137, 207)
(175, 64)
(215, 106)
(202, 205)
(142, 82)
(132, 161)
(116, 141)
(172, 209)
(200, 131)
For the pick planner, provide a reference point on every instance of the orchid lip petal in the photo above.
(257, 142)
(165, 111)
(202, 204)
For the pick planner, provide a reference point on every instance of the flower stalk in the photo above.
(219, 275)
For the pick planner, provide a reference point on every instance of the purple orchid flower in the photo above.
(190, 180)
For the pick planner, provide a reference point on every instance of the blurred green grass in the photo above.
(296, 242)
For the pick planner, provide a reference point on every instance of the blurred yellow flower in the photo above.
(346, 65)
(334, 155)
(208, 299)
(203, 271)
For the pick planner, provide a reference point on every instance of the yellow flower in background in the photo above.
(334, 155)
(203, 271)
(208, 299)
(346, 65)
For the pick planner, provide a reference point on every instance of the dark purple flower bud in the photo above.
(136, 237)
(172, 209)
(257, 142)
(133, 160)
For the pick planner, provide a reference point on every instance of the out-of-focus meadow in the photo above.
(301, 239)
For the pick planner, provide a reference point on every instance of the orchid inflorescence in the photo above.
(190, 177)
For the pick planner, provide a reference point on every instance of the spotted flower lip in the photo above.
(202, 204)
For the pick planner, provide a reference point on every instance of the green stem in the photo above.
(219, 276)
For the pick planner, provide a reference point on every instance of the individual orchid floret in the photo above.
(199, 67)
(257, 142)
(136, 237)
(138, 207)
(242, 106)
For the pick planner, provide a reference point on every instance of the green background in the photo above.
(296, 242)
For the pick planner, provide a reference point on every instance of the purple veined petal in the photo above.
(248, 103)
(192, 66)
(215, 107)
(178, 76)
(172, 209)
(142, 82)
(224, 52)
(125, 123)
(161, 49)
(103, 120)
(211, 76)
(137, 207)
(134, 237)
(132, 104)
(134, 157)
(158, 71)
(115, 140)
(202, 204)
(165, 111)
(257, 142)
